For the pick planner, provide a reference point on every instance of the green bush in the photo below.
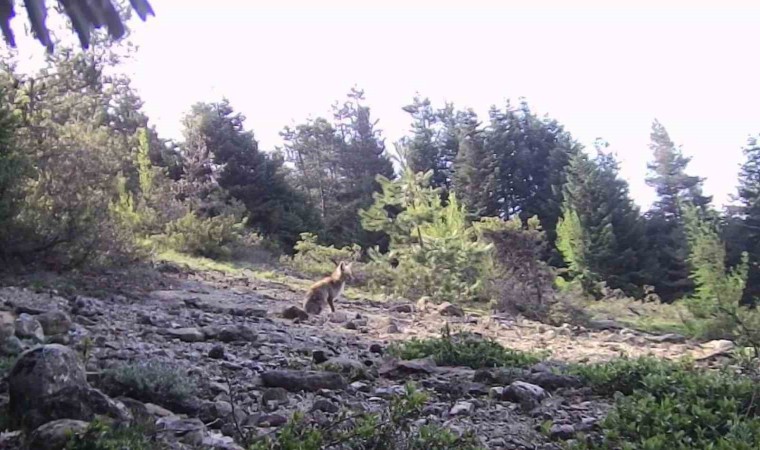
(151, 381)
(212, 237)
(313, 259)
(391, 429)
(463, 350)
(100, 436)
(674, 406)
(434, 251)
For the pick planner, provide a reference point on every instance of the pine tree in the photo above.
(474, 172)
(361, 158)
(227, 154)
(667, 268)
(610, 222)
(434, 143)
(530, 156)
(749, 216)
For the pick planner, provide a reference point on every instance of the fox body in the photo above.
(327, 289)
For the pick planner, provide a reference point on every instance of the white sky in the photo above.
(603, 69)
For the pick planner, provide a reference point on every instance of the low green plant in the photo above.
(313, 259)
(673, 405)
(152, 381)
(212, 237)
(101, 436)
(463, 349)
(391, 429)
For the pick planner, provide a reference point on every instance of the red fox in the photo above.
(327, 289)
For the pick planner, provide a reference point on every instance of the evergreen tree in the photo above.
(474, 172)
(749, 216)
(229, 155)
(362, 157)
(530, 156)
(434, 143)
(336, 165)
(667, 267)
(610, 222)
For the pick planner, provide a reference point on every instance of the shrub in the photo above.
(100, 436)
(152, 381)
(522, 283)
(670, 405)
(212, 237)
(391, 429)
(434, 251)
(463, 350)
(317, 260)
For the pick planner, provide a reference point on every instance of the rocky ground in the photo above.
(229, 335)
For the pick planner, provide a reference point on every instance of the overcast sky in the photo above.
(603, 69)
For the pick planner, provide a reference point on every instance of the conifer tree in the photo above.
(667, 267)
(749, 216)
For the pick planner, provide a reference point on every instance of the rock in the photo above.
(376, 348)
(49, 383)
(12, 346)
(27, 327)
(303, 380)
(319, 356)
(339, 317)
(360, 386)
(527, 395)
(394, 367)
(7, 325)
(186, 431)
(276, 396)
(603, 324)
(40, 373)
(294, 312)
(351, 325)
(462, 409)
(389, 391)
(269, 420)
(552, 381)
(216, 352)
(347, 366)
(392, 328)
(503, 376)
(672, 338)
(56, 434)
(219, 442)
(562, 432)
(186, 334)
(325, 405)
(138, 410)
(403, 308)
(55, 322)
(450, 309)
(423, 304)
(158, 411)
(211, 411)
(231, 333)
(714, 348)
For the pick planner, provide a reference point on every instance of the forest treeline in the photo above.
(85, 179)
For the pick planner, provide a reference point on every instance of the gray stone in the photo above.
(12, 346)
(450, 309)
(394, 367)
(27, 327)
(55, 322)
(403, 308)
(56, 434)
(303, 380)
(527, 395)
(186, 431)
(216, 352)
(294, 313)
(231, 333)
(186, 334)
(325, 405)
(7, 325)
(562, 432)
(462, 409)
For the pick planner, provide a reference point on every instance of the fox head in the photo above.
(343, 271)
